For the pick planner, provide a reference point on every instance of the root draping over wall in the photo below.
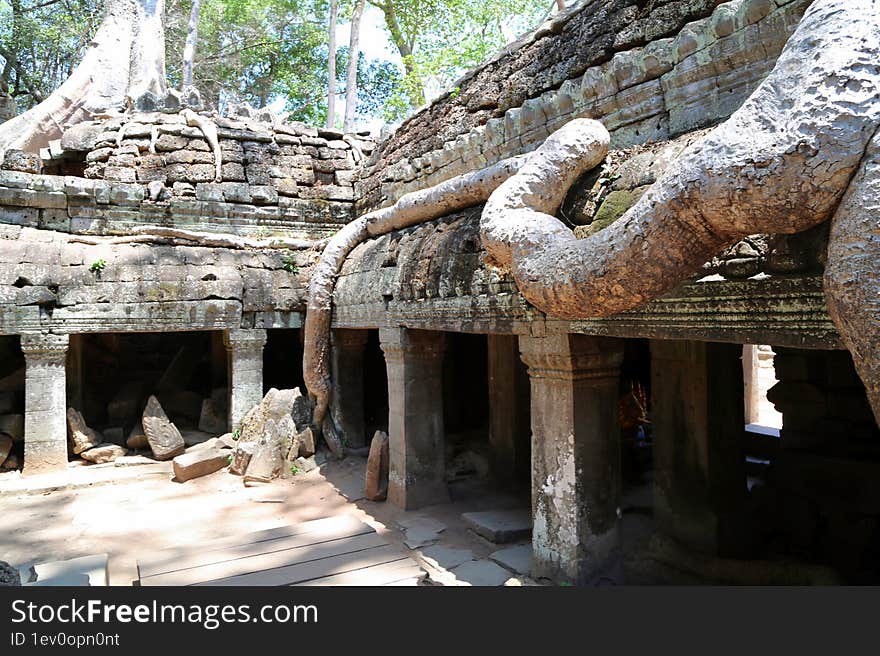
(417, 207)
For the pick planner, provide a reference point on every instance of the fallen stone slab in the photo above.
(164, 438)
(517, 558)
(481, 573)
(500, 526)
(376, 484)
(198, 463)
(241, 457)
(85, 570)
(306, 441)
(103, 453)
(228, 441)
(267, 463)
(82, 437)
(137, 439)
(305, 465)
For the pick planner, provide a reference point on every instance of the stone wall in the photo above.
(276, 178)
(48, 282)
(648, 71)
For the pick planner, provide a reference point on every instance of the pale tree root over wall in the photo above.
(780, 164)
(417, 207)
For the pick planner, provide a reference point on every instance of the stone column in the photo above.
(699, 464)
(575, 456)
(509, 428)
(417, 467)
(347, 397)
(751, 387)
(244, 349)
(45, 403)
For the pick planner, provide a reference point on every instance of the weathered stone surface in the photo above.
(200, 462)
(518, 559)
(9, 575)
(164, 438)
(481, 573)
(241, 457)
(267, 462)
(376, 487)
(81, 436)
(306, 443)
(305, 465)
(17, 160)
(103, 453)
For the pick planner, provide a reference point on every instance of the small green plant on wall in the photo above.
(97, 267)
(288, 263)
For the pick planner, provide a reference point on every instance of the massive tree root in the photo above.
(417, 207)
(780, 164)
(852, 273)
(125, 60)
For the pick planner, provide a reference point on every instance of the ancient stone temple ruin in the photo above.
(203, 259)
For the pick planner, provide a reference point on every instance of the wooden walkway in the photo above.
(332, 551)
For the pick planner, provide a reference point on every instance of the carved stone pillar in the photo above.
(575, 456)
(244, 349)
(347, 397)
(417, 467)
(699, 464)
(45, 403)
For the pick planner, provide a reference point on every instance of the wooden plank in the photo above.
(247, 544)
(382, 574)
(343, 561)
(256, 562)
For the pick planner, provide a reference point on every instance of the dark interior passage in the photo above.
(11, 403)
(111, 376)
(282, 359)
(375, 386)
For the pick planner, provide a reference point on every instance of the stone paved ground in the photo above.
(129, 511)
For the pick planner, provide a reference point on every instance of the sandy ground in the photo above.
(128, 512)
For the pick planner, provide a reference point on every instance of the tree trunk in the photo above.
(351, 74)
(189, 48)
(125, 59)
(331, 67)
(417, 94)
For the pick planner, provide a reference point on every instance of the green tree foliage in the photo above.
(263, 51)
(440, 39)
(40, 43)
